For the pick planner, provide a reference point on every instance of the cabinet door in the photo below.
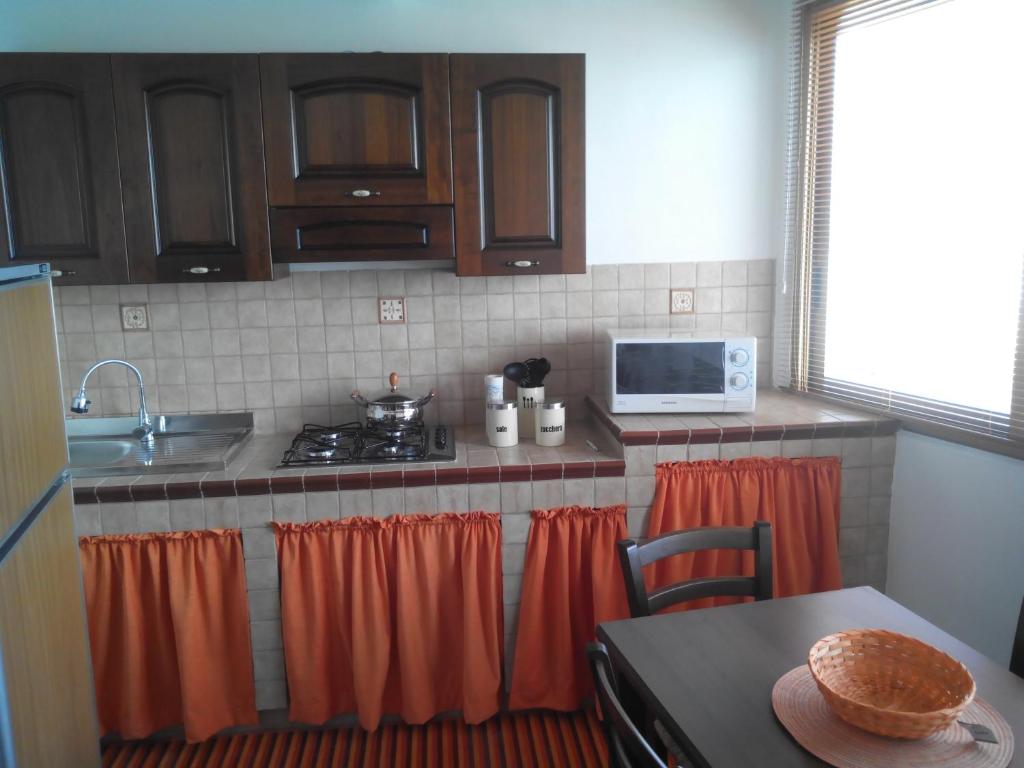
(413, 232)
(518, 140)
(61, 200)
(47, 673)
(357, 129)
(188, 129)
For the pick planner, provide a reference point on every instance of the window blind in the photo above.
(857, 337)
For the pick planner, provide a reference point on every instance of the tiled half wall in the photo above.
(292, 350)
(863, 536)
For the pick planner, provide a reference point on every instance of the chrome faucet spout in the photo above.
(80, 403)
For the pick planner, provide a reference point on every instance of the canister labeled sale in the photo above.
(502, 424)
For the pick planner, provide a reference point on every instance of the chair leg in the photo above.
(669, 746)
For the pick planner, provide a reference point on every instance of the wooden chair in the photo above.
(627, 747)
(1017, 657)
(635, 554)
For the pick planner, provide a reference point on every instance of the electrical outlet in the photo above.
(392, 309)
(681, 301)
(134, 317)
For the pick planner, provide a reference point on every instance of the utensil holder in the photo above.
(528, 399)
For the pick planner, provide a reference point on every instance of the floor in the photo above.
(511, 740)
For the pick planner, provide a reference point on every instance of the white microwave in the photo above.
(654, 372)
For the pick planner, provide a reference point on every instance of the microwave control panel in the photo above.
(740, 365)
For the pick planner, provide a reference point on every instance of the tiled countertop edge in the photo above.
(732, 432)
(312, 481)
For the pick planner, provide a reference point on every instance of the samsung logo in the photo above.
(669, 402)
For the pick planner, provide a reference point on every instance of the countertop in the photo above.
(778, 415)
(255, 470)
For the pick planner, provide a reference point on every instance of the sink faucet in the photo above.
(143, 432)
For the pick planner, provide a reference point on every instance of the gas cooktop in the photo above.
(353, 443)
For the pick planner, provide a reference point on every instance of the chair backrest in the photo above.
(626, 745)
(634, 554)
(1017, 657)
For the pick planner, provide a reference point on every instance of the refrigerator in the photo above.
(47, 703)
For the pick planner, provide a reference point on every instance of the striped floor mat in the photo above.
(520, 740)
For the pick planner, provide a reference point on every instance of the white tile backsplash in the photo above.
(293, 349)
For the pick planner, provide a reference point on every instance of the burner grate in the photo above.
(352, 443)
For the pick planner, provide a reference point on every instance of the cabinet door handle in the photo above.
(62, 273)
(363, 193)
(522, 264)
(200, 270)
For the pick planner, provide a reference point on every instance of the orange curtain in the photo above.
(799, 497)
(169, 631)
(397, 616)
(571, 583)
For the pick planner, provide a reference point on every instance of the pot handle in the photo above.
(358, 397)
(426, 399)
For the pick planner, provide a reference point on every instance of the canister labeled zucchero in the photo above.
(550, 423)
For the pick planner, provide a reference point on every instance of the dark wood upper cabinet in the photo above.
(191, 148)
(406, 233)
(518, 152)
(61, 200)
(357, 129)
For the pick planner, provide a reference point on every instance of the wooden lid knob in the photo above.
(393, 379)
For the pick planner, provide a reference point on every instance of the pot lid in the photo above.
(393, 396)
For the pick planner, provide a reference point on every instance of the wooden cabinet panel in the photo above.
(357, 129)
(518, 150)
(354, 234)
(59, 167)
(192, 166)
(47, 673)
(30, 391)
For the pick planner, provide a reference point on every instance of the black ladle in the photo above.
(516, 372)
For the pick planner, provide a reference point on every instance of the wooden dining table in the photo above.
(708, 674)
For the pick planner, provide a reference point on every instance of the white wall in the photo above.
(956, 540)
(685, 98)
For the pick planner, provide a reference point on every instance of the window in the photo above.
(908, 213)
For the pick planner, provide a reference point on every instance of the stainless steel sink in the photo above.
(105, 446)
(96, 453)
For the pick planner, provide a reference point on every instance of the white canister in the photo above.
(528, 399)
(550, 422)
(494, 388)
(502, 424)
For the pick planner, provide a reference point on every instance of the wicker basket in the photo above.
(888, 683)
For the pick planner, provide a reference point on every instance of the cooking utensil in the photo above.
(393, 409)
(516, 372)
(538, 368)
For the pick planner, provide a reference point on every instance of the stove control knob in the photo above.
(739, 381)
(739, 357)
(440, 437)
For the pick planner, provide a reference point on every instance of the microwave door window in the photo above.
(693, 368)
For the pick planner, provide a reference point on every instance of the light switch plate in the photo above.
(681, 301)
(392, 309)
(134, 317)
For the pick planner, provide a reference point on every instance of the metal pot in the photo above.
(393, 409)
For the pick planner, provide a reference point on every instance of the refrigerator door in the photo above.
(48, 707)
(33, 446)
(47, 704)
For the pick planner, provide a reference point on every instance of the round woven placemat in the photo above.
(802, 709)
